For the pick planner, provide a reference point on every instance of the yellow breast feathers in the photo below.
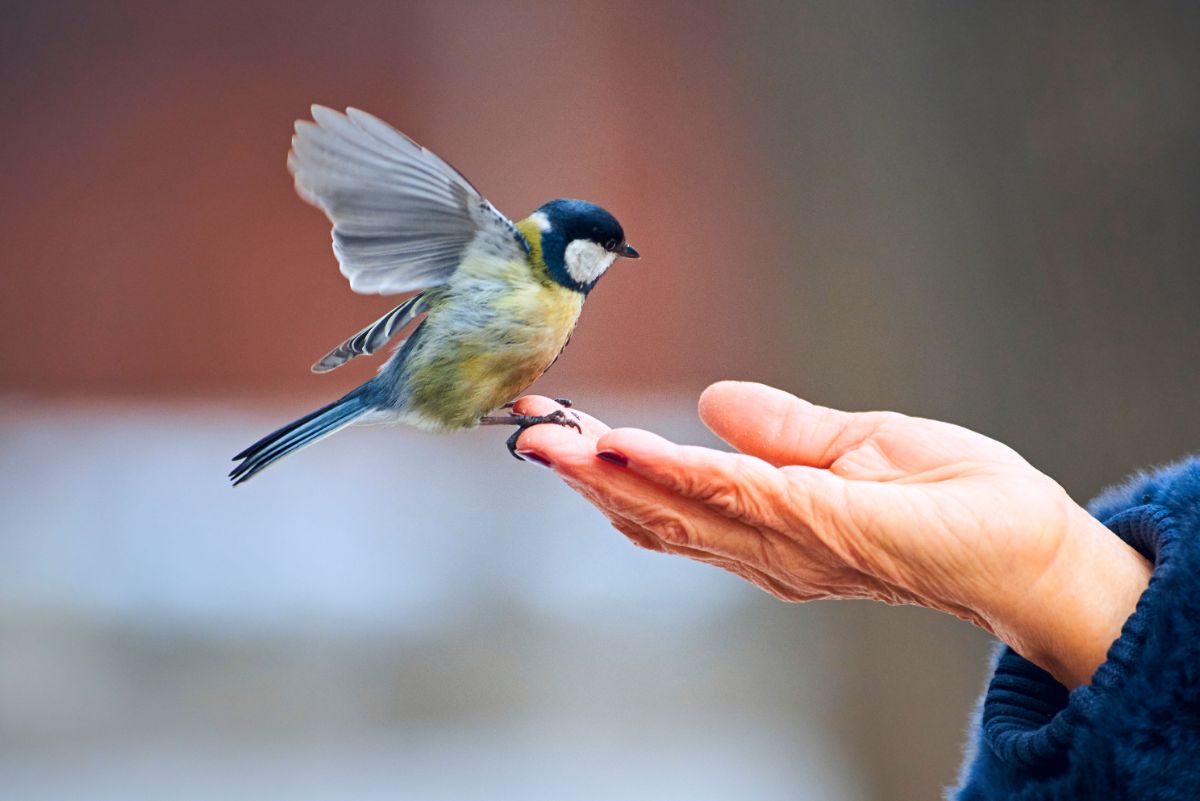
(498, 325)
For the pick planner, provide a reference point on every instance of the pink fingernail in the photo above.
(535, 457)
(612, 457)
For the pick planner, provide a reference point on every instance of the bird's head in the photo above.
(579, 241)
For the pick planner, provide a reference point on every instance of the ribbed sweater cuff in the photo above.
(1028, 717)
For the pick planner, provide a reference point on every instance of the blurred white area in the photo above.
(387, 614)
(127, 514)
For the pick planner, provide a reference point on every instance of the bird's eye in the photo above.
(610, 244)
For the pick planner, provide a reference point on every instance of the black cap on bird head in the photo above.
(580, 241)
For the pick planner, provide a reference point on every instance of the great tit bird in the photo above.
(499, 299)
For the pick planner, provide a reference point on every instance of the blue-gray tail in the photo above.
(298, 433)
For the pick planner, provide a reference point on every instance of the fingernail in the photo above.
(612, 457)
(534, 456)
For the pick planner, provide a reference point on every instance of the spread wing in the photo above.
(401, 216)
(374, 336)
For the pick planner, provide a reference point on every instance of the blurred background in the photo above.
(985, 213)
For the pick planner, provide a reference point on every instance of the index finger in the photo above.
(735, 484)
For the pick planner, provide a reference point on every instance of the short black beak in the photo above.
(629, 253)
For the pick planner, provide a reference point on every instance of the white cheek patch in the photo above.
(586, 261)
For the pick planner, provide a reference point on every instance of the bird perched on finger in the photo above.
(499, 299)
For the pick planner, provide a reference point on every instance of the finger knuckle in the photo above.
(673, 529)
(734, 494)
(723, 496)
(636, 534)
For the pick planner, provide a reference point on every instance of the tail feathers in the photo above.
(296, 434)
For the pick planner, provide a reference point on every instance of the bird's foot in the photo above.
(559, 417)
(564, 402)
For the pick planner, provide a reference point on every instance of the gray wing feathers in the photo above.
(401, 216)
(373, 337)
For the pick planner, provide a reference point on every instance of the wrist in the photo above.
(1081, 603)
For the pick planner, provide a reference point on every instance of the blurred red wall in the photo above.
(154, 244)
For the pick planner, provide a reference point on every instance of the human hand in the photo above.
(828, 504)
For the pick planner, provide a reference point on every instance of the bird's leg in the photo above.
(523, 421)
(564, 402)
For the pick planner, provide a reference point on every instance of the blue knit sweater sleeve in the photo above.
(1134, 731)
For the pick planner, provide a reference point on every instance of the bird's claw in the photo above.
(558, 417)
(564, 418)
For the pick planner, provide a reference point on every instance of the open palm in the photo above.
(821, 503)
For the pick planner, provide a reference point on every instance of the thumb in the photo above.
(774, 425)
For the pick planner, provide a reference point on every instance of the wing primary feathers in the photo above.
(389, 135)
(402, 217)
(374, 336)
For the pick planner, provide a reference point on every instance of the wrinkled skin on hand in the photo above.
(821, 503)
